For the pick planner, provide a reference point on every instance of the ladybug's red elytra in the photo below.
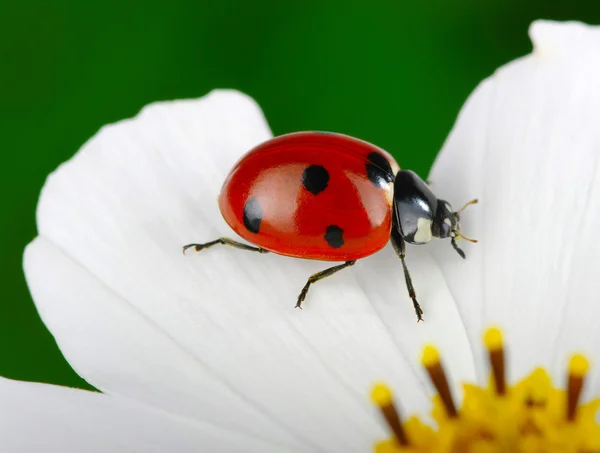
(331, 197)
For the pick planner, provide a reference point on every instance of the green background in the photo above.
(392, 72)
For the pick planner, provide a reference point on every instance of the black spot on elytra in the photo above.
(315, 179)
(253, 215)
(379, 170)
(334, 236)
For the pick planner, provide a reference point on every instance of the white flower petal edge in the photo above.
(45, 418)
(213, 336)
(529, 141)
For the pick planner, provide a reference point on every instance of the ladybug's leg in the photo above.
(400, 247)
(319, 276)
(224, 241)
(457, 248)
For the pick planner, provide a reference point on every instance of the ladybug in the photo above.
(331, 197)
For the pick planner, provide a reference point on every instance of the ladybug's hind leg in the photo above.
(224, 241)
(400, 247)
(320, 276)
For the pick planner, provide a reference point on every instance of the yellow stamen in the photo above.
(493, 342)
(578, 368)
(382, 396)
(437, 375)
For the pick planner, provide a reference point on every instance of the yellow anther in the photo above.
(430, 357)
(493, 339)
(578, 365)
(381, 395)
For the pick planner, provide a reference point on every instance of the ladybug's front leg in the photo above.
(400, 247)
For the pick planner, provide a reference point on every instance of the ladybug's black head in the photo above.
(447, 224)
(445, 221)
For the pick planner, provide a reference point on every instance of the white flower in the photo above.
(206, 351)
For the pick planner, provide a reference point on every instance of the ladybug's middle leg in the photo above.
(224, 241)
(400, 247)
(319, 276)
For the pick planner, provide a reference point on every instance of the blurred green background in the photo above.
(392, 72)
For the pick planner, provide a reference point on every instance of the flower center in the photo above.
(531, 416)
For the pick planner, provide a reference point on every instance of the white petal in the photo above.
(530, 137)
(213, 336)
(457, 178)
(45, 418)
(118, 349)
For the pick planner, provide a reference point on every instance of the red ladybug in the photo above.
(331, 197)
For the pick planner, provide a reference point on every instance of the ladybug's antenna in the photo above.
(460, 235)
(474, 201)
